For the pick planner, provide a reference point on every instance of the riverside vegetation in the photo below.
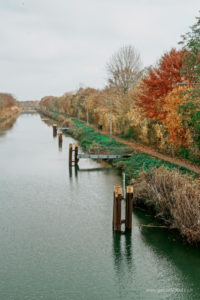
(9, 109)
(171, 191)
(156, 106)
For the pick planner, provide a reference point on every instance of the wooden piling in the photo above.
(70, 155)
(76, 155)
(60, 138)
(54, 130)
(117, 197)
(129, 207)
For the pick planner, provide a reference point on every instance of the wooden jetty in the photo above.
(96, 154)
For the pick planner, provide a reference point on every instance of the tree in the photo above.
(191, 52)
(191, 68)
(124, 68)
(158, 83)
(178, 133)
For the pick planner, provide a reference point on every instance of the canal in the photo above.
(56, 230)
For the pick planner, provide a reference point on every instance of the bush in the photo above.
(174, 196)
(185, 153)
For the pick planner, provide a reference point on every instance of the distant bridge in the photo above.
(29, 107)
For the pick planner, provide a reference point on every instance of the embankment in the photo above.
(171, 191)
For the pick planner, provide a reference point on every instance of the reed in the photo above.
(175, 198)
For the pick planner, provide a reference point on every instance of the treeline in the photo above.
(157, 106)
(8, 106)
(7, 101)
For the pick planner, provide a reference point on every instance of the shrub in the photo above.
(174, 196)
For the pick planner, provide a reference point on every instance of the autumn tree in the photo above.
(179, 134)
(6, 100)
(124, 68)
(159, 82)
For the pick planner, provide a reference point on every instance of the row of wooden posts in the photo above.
(73, 159)
(60, 134)
(117, 198)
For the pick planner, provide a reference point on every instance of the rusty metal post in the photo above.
(70, 155)
(76, 155)
(117, 208)
(54, 130)
(129, 207)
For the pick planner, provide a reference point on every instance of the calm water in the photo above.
(56, 230)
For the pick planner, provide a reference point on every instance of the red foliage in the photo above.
(159, 82)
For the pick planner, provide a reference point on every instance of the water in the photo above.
(56, 230)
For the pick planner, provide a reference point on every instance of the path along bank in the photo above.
(172, 192)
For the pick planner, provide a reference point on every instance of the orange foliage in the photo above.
(159, 82)
(173, 122)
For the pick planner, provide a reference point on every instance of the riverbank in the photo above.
(8, 116)
(171, 191)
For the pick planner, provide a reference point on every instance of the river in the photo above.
(56, 230)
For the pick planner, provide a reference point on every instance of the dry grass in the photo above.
(174, 196)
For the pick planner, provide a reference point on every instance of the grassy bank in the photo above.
(171, 191)
(132, 165)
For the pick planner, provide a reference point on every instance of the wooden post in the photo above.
(60, 139)
(70, 155)
(76, 155)
(117, 208)
(129, 207)
(54, 130)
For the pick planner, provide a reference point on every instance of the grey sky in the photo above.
(49, 47)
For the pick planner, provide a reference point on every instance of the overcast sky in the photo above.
(49, 47)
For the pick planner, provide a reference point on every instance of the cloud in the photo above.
(49, 47)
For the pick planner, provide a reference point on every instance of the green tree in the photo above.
(191, 52)
(190, 111)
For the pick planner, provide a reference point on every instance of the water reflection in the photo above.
(122, 250)
(60, 144)
(55, 237)
(87, 170)
(168, 245)
(46, 120)
(94, 169)
(54, 134)
(73, 170)
(7, 125)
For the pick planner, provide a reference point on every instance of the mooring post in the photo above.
(70, 155)
(117, 208)
(60, 138)
(129, 207)
(54, 130)
(76, 155)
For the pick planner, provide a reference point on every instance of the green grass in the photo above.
(133, 165)
(144, 162)
(89, 136)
